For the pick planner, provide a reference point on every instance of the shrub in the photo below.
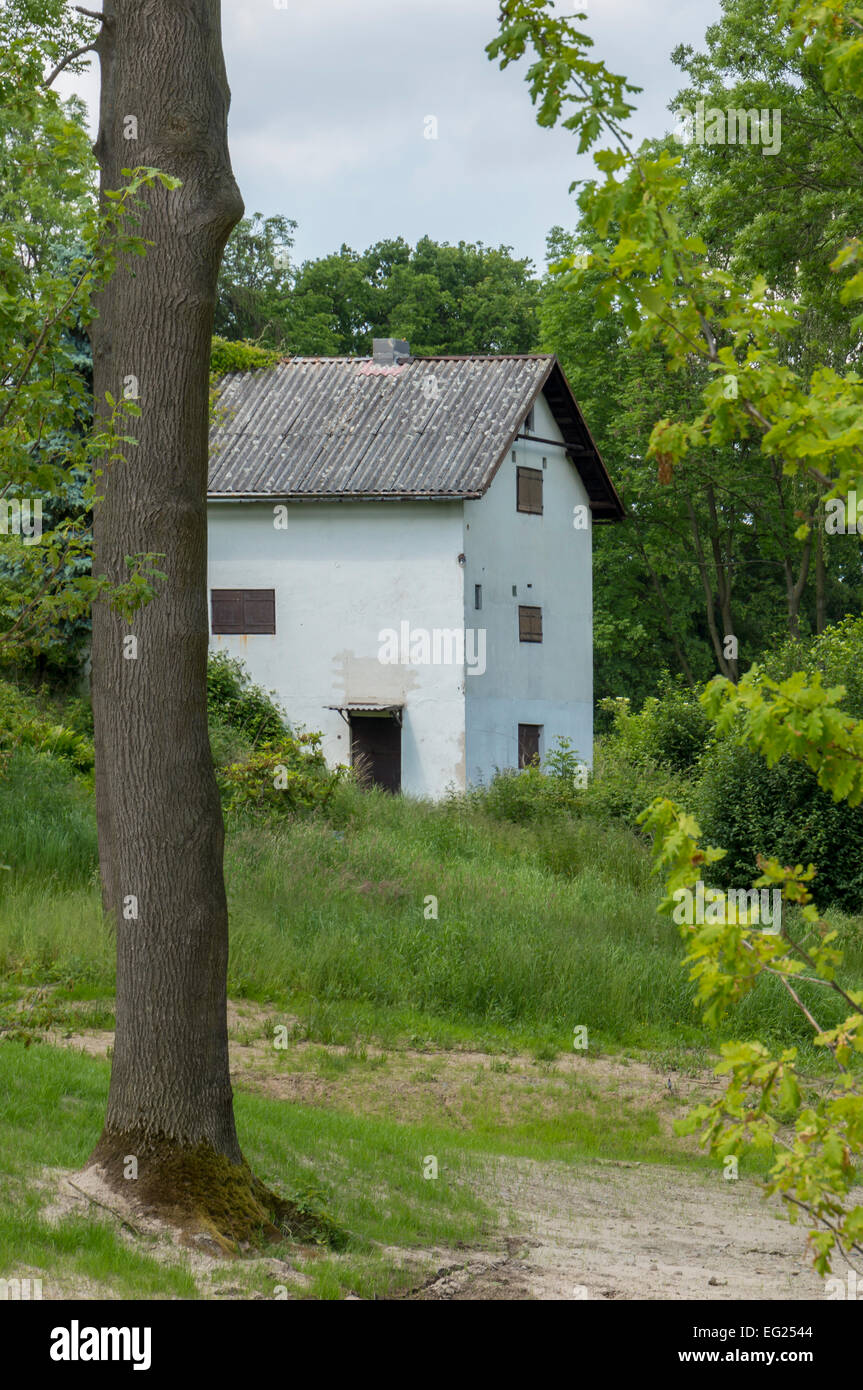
(23, 725)
(234, 701)
(228, 356)
(620, 788)
(526, 795)
(227, 744)
(748, 808)
(837, 653)
(285, 776)
(670, 731)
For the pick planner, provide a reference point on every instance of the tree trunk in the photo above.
(716, 638)
(666, 612)
(820, 573)
(724, 580)
(159, 816)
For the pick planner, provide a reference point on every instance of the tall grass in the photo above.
(540, 928)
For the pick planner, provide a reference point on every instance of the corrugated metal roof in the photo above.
(347, 427)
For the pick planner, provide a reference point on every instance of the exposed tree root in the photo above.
(199, 1191)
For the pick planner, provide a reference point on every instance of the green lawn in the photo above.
(538, 930)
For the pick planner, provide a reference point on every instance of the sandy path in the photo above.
(595, 1230)
(632, 1232)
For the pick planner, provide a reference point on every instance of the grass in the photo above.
(539, 929)
(367, 1172)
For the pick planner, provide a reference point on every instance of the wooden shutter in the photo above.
(529, 491)
(259, 610)
(227, 605)
(529, 624)
(243, 611)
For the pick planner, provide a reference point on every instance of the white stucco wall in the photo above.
(342, 572)
(549, 562)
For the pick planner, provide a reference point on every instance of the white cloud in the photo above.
(329, 98)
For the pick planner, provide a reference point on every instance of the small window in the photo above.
(528, 744)
(477, 596)
(243, 612)
(529, 490)
(529, 624)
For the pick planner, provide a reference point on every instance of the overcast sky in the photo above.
(330, 100)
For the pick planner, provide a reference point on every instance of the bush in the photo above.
(670, 731)
(23, 725)
(286, 776)
(233, 701)
(620, 789)
(525, 796)
(228, 356)
(227, 745)
(837, 654)
(748, 808)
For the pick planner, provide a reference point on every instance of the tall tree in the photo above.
(164, 104)
(442, 298)
(255, 279)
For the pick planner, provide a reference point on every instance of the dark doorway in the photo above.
(376, 750)
(528, 744)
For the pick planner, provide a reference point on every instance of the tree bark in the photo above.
(820, 573)
(725, 666)
(666, 612)
(158, 810)
(724, 576)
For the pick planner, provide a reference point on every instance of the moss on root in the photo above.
(201, 1191)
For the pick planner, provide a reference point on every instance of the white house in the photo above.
(400, 548)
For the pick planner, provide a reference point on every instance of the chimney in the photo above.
(390, 352)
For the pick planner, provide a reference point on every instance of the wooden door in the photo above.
(376, 748)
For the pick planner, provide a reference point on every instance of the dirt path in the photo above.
(626, 1231)
(595, 1230)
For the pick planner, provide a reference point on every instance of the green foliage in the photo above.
(728, 961)
(670, 731)
(235, 702)
(441, 298)
(562, 760)
(837, 653)
(24, 725)
(620, 786)
(255, 280)
(779, 811)
(58, 246)
(713, 543)
(47, 824)
(239, 357)
(651, 266)
(284, 776)
(804, 722)
(526, 796)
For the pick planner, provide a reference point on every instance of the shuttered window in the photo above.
(529, 624)
(244, 612)
(528, 744)
(529, 492)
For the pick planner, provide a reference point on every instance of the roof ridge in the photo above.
(440, 357)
